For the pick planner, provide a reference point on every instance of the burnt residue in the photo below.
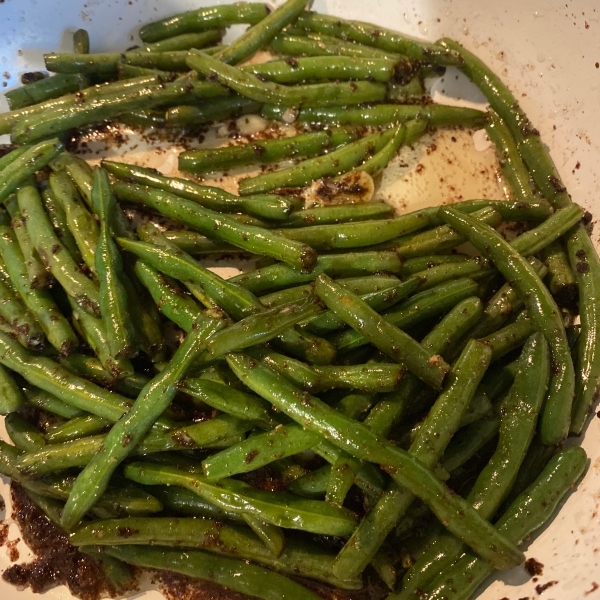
(533, 567)
(56, 562)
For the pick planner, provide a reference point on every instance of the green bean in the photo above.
(78, 427)
(9, 119)
(511, 336)
(344, 432)
(27, 163)
(411, 91)
(11, 395)
(145, 119)
(514, 170)
(437, 115)
(346, 236)
(52, 378)
(422, 263)
(543, 312)
(391, 407)
(233, 574)
(170, 298)
(468, 441)
(109, 268)
(315, 45)
(19, 321)
(385, 39)
(203, 113)
(23, 434)
(38, 126)
(511, 210)
(185, 41)
(259, 450)
(298, 558)
(561, 278)
(328, 322)
(417, 309)
(56, 457)
(39, 302)
(534, 240)
(222, 227)
(359, 285)
(475, 268)
(316, 94)
(262, 33)
(54, 254)
(312, 485)
(526, 514)
(81, 42)
(80, 221)
(428, 446)
(341, 213)
(585, 264)
(376, 164)
(45, 89)
(229, 400)
(504, 303)
(49, 403)
(267, 206)
(442, 238)
(334, 163)
(58, 219)
(8, 158)
(337, 68)
(519, 411)
(204, 18)
(94, 331)
(389, 339)
(277, 508)
(264, 151)
(38, 276)
(126, 433)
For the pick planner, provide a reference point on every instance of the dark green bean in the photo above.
(190, 116)
(23, 434)
(266, 206)
(45, 89)
(81, 42)
(58, 219)
(543, 312)
(264, 151)
(204, 18)
(561, 278)
(186, 41)
(213, 224)
(316, 94)
(315, 415)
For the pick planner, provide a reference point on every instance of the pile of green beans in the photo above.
(299, 418)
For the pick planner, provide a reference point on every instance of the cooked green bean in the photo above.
(341, 213)
(346, 236)
(428, 446)
(11, 395)
(266, 206)
(337, 68)
(128, 432)
(41, 304)
(38, 276)
(262, 33)
(585, 264)
(544, 313)
(526, 514)
(437, 115)
(80, 221)
(203, 113)
(48, 402)
(58, 219)
(316, 94)
(561, 277)
(114, 305)
(55, 255)
(26, 164)
(371, 35)
(264, 151)
(81, 42)
(315, 415)
(223, 227)
(45, 89)
(390, 408)
(278, 508)
(204, 18)
(519, 411)
(42, 125)
(514, 170)
(298, 558)
(23, 434)
(420, 307)
(78, 427)
(185, 41)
